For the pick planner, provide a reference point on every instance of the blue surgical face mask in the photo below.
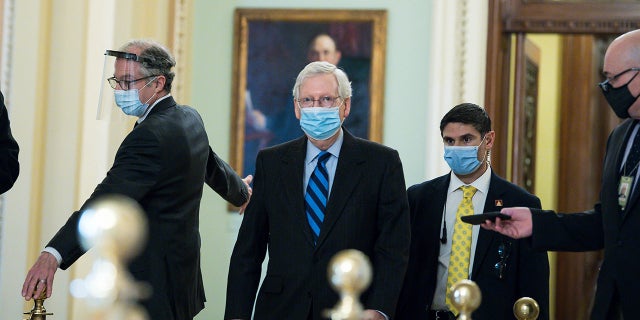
(462, 160)
(129, 101)
(320, 123)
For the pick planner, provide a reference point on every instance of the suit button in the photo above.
(309, 294)
(619, 243)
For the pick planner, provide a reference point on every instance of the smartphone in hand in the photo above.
(480, 218)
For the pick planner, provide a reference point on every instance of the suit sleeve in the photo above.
(392, 245)
(136, 169)
(568, 232)
(225, 181)
(9, 166)
(409, 304)
(248, 253)
(533, 273)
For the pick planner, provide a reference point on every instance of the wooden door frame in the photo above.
(576, 271)
(508, 17)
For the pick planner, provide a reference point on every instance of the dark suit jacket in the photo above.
(367, 210)
(9, 166)
(526, 273)
(163, 164)
(603, 227)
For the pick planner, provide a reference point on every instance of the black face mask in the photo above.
(620, 98)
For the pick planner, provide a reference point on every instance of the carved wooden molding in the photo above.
(573, 26)
(463, 47)
(180, 39)
(574, 17)
(6, 12)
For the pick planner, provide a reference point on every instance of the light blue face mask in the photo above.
(129, 101)
(320, 123)
(462, 160)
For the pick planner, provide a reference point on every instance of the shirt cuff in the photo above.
(57, 255)
(384, 315)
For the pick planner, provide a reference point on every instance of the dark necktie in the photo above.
(630, 166)
(317, 192)
(628, 173)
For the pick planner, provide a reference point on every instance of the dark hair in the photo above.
(468, 113)
(156, 60)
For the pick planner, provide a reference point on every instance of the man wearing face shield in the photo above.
(9, 149)
(614, 222)
(163, 164)
(503, 268)
(314, 196)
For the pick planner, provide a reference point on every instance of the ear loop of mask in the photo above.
(154, 93)
(486, 154)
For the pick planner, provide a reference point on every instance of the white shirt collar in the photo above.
(146, 113)
(482, 183)
(313, 151)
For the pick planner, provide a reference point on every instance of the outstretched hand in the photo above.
(519, 226)
(372, 315)
(40, 277)
(247, 181)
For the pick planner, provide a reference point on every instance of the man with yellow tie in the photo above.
(445, 250)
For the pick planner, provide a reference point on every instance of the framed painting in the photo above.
(271, 46)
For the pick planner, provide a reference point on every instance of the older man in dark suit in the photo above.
(503, 268)
(162, 164)
(313, 197)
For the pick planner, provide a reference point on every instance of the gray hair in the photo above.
(321, 67)
(156, 59)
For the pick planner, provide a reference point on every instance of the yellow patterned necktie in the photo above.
(460, 244)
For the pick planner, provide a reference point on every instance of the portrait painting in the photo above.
(271, 46)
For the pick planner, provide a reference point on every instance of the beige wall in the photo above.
(548, 131)
(53, 80)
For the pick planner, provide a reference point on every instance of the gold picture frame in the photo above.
(270, 48)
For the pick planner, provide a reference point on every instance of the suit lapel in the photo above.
(435, 209)
(620, 148)
(496, 190)
(293, 171)
(349, 173)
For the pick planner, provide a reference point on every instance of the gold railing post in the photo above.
(466, 297)
(526, 308)
(39, 312)
(349, 274)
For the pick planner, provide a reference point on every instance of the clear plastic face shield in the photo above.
(121, 71)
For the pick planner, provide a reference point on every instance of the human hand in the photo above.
(372, 315)
(519, 226)
(247, 181)
(40, 276)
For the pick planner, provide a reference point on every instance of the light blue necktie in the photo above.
(317, 193)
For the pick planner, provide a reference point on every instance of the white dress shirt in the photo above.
(454, 197)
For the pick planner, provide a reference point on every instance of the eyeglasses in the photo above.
(325, 102)
(504, 249)
(125, 84)
(606, 84)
